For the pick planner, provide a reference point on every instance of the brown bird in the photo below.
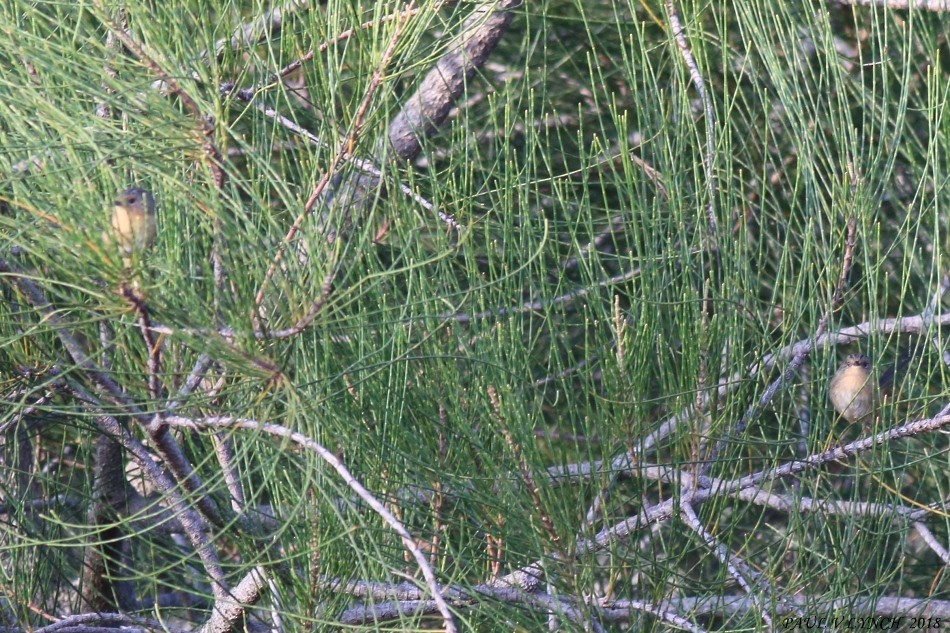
(853, 391)
(133, 221)
(856, 394)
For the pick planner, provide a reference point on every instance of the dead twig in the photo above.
(345, 149)
(709, 156)
(225, 422)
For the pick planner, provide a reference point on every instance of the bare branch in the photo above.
(345, 149)
(749, 579)
(429, 106)
(224, 422)
(940, 6)
(709, 157)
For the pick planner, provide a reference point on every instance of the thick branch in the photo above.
(428, 108)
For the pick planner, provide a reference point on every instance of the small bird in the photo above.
(133, 221)
(853, 391)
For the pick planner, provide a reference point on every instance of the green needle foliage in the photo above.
(544, 343)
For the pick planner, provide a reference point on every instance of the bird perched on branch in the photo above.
(854, 391)
(133, 222)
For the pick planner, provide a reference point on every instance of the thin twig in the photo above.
(103, 109)
(166, 445)
(26, 410)
(798, 358)
(201, 367)
(619, 221)
(345, 149)
(939, 6)
(315, 308)
(153, 365)
(535, 306)
(709, 156)
(38, 301)
(205, 128)
(750, 580)
(225, 422)
(935, 546)
(247, 94)
(931, 310)
(388, 601)
(193, 523)
(527, 477)
(256, 30)
(665, 509)
(363, 165)
(103, 621)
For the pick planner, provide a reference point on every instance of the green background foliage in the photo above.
(585, 287)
